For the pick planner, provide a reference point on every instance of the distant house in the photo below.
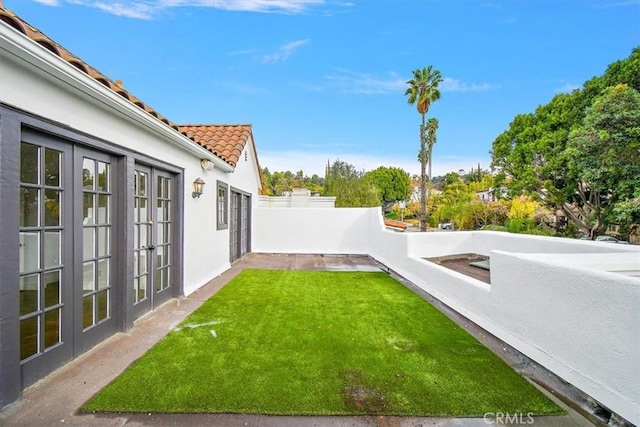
(486, 196)
(415, 191)
(108, 208)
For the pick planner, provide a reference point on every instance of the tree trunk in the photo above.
(579, 216)
(430, 150)
(423, 177)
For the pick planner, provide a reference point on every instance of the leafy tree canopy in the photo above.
(280, 183)
(392, 183)
(534, 155)
(350, 187)
(606, 153)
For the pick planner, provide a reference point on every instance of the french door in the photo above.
(239, 225)
(153, 222)
(94, 252)
(66, 285)
(46, 262)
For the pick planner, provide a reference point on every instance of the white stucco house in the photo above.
(107, 208)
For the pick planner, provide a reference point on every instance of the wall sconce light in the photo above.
(207, 164)
(198, 187)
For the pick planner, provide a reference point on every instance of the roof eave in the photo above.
(256, 160)
(47, 64)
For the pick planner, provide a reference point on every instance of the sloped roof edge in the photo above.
(51, 47)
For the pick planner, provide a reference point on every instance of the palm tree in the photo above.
(422, 91)
(432, 127)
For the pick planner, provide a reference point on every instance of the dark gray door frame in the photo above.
(154, 299)
(12, 123)
(238, 220)
(10, 378)
(86, 339)
(37, 367)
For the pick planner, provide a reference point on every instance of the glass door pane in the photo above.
(142, 235)
(96, 243)
(163, 223)
(244, 226)
(234, 224)
(42, 227)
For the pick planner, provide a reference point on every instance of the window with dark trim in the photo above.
(222, 203)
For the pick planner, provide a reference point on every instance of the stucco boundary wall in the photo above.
(550, 298)
(312, 230)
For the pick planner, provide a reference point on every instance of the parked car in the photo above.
(610, 239)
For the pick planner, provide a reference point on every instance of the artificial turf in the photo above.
(323, 343)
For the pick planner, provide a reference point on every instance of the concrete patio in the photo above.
(56, 399)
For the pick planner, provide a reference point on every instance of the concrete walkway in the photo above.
(56, 399)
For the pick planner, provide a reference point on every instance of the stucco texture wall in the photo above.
(38, 92)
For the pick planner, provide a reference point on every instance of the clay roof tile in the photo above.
(227, 141)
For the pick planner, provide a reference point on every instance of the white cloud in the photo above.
(568, 88)
(509, 20)
(243, 52)
(452, 85)
(147, 9)
(367, 84)
(315, 162)
(128, 10)
(360, 83)
(284, 52)
(620, 3)
(280, 6)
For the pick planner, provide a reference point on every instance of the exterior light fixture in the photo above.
(198, 187)
(207, 164)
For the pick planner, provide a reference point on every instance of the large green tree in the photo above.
(606, 153)
(533, 157)
(393, 185)
(349, 186)
(423, 91)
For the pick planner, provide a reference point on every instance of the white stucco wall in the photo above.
(296, 200)
(56, 90)
(583, 322)
(246, 175)
(483, 242)
(555, 300)
(273, 202)
(311, 230)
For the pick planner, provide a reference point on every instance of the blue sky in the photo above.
(325, 79)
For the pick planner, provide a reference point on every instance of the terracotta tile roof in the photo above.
(225, 141)
(229, 151)
(395, 224)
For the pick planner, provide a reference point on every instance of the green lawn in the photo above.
(309, 342)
